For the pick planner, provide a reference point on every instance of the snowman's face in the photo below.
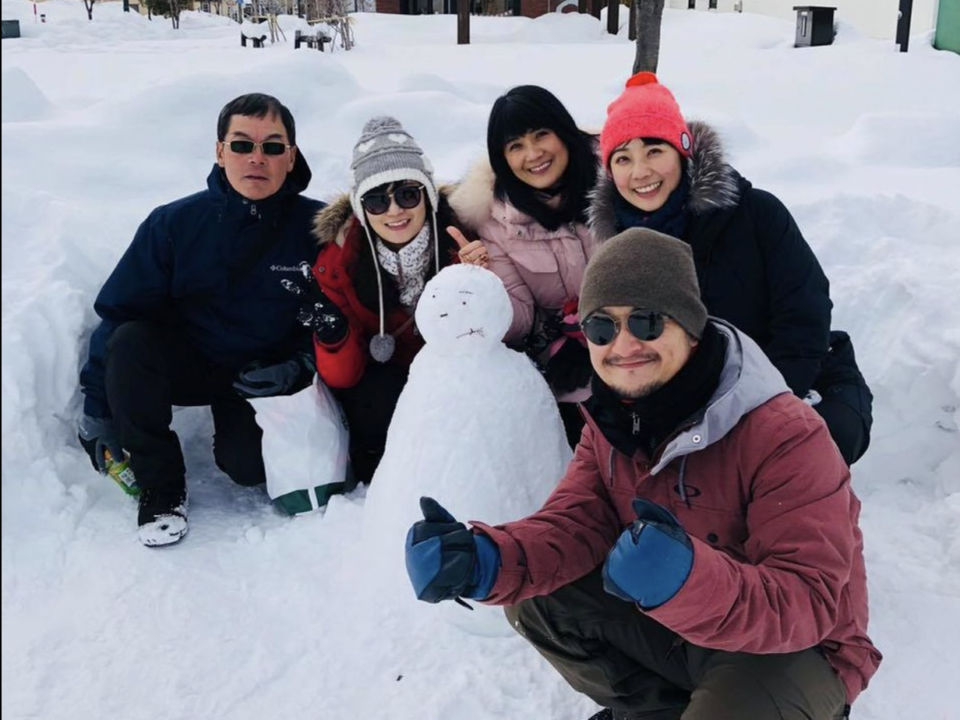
(464, 310)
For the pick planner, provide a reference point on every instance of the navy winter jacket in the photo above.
(211, 264)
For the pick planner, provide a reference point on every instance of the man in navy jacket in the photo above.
(195, 314)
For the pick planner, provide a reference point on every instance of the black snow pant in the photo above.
(369, 407)
(608, 650)
(149, 369)
(847, 403)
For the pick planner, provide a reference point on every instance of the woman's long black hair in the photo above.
(522, 110)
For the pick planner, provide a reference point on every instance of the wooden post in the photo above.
(613, 16)
(582, 7)
(595, 7)
(463, 22)
(633, 20)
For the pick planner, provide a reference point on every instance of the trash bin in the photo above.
(814, 25)
(11, 29)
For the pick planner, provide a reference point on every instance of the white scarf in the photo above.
(408, 265)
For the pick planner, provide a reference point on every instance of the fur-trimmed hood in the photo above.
(331, 223)
(473, 200)
(714, 185)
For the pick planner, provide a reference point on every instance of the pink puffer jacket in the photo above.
(540, 268)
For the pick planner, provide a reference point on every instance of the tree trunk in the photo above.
(649, 17)
(88, 4)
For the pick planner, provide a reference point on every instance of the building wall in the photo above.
(873, 18)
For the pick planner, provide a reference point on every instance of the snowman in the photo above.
(476, 425)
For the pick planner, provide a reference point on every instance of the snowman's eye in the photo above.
(464, 302)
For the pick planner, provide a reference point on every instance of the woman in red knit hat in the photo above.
(754, 266)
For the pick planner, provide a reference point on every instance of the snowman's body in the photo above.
(476, 426)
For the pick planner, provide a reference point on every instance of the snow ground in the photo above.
(255, 615)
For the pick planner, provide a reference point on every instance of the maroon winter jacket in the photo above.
(765, 497)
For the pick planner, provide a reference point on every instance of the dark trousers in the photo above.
(608, 650)
(150, 368)
(369, 407)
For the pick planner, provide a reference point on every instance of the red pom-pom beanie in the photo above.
(644, 109)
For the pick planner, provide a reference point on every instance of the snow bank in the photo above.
(257, 615)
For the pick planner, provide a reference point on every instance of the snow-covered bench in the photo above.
(316, 40)
(254, 32)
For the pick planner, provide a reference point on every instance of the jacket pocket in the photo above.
(536, 261)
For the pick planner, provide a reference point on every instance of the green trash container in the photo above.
(948, 26)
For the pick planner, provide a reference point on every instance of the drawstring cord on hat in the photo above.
(382, 345)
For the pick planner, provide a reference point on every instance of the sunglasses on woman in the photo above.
(245, 147)
(644, 325)
(407, 197)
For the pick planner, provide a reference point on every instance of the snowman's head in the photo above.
(464, 310)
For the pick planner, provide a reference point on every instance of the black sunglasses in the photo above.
(644, 325)
(245, 147)
(406, 196)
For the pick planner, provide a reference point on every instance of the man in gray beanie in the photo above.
(701, 557)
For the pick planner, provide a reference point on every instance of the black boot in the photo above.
(163, 516)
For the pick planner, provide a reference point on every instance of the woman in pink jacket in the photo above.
(527, 204)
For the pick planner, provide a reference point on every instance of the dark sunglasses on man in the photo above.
(245, 147)
(644, 325)
(407, 197)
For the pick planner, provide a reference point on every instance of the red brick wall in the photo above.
(533, 8)
(388, 6)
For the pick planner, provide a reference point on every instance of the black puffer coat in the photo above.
(755, 269)
(757, 272)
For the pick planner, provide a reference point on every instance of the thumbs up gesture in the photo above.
(445, 560)
(470, 253)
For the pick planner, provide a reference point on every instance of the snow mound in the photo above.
(921, 140)
(23, 100)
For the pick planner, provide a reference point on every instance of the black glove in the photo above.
(258, 379)
(97, 435)
(570, 368)
(317, 311)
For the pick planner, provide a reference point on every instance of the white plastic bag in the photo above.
(305, 448)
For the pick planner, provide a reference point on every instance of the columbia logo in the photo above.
(285, 268)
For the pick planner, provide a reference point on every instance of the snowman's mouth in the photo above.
(472, 331)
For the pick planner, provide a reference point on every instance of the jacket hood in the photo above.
(473, 200)
(714, 185)
(747, 381)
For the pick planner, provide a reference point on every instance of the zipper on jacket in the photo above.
(636, 423)
(253, 209)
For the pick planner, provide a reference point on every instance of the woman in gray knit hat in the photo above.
(379, 245)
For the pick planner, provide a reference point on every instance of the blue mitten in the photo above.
(652, 559)
(445, 560)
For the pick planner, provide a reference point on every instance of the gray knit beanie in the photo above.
(387, 153)
(642, 268)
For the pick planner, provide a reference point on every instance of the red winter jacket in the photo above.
(341, 236)
(765, 497)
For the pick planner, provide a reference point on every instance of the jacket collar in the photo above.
(747, 381)
(714, 185)
(296, 182)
